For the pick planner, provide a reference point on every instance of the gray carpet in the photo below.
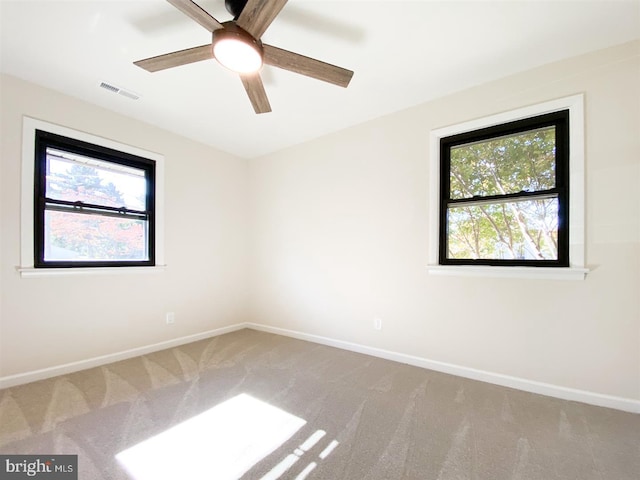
(253, 405)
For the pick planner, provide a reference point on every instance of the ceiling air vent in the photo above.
(121, 91)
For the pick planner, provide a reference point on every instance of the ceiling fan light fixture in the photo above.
(236, 50)
(237, 46)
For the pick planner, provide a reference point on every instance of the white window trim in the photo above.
(576, 269)
(26, 268)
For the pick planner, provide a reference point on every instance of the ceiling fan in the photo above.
(236, 45)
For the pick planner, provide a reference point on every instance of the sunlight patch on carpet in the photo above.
(223, 443)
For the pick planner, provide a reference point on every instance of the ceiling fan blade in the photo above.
(175, 59)
(257, 15)
(255, 89)
(196, 13)
(310, 67)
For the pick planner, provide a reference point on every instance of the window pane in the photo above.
(502, 165)
(82, 237)
(516, 230)
(75, 178)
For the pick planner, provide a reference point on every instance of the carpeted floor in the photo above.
(254, 405)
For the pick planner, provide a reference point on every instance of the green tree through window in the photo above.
(94, 206)
(504, 194)
(90, 237)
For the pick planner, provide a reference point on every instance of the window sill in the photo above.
(59, 272)
(542, 273)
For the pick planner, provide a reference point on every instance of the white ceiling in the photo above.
(403, 53)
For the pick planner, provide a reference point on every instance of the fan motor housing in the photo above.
(235, 7)
(232, 31)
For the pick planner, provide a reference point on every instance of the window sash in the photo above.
(559, 120)
(121, 171)
(94, 209)
(478, 200)
(102, 155)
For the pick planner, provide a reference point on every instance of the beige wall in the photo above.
(323, 237)
(340, 231)
(50, 321)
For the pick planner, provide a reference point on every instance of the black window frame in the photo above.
(559, 120)
(43, 140)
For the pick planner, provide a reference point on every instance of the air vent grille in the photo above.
(121, 91)
(109, 87)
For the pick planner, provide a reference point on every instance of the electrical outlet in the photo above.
(377, 323)
(170, 318)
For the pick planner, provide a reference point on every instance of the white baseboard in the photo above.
(21, 378)
(592, 398)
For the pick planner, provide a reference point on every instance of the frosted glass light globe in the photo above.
(237, 55)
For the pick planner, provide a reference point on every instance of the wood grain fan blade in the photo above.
(197, 13)
(310, 67)
(257, 15)
(175, 59)
(255, 89)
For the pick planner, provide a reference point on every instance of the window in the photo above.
(507, 194)
(504, 195)
(93, 206)
(88, 203)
